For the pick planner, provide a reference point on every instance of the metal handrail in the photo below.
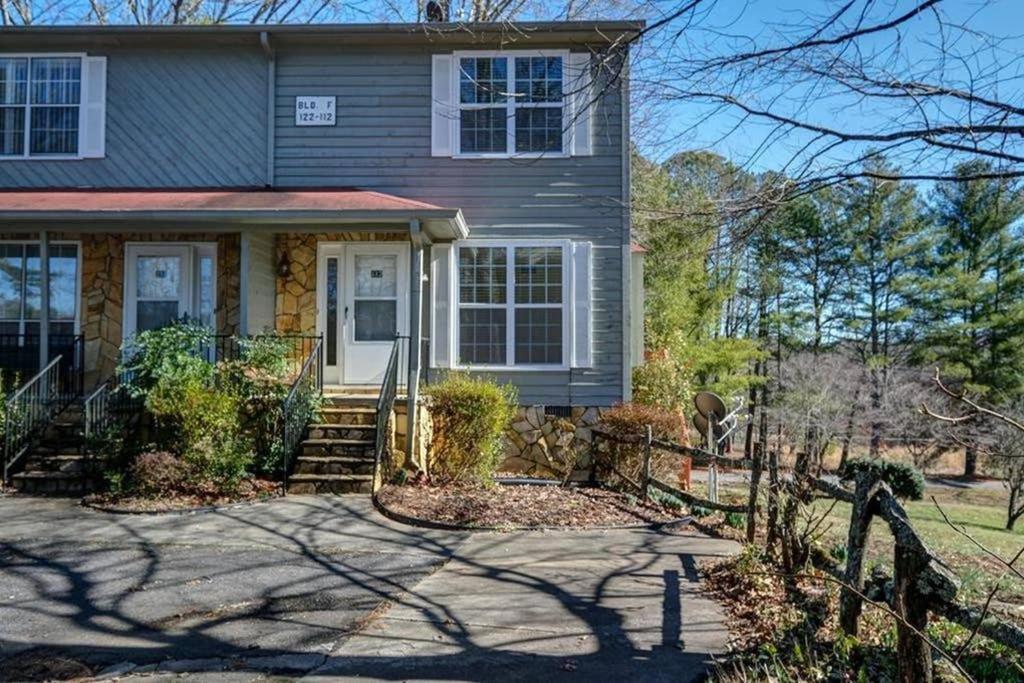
(294, 420)
(386, 403)
(30, 409)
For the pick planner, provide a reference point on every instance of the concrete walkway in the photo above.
(326, 587)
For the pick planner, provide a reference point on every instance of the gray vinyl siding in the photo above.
(175, 118)
(382, 142)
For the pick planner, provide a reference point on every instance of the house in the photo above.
(465, 186)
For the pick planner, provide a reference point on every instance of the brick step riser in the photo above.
(54, 487)
(308, 487)
(357, 433)
(342, 450)
(349, 418)
(328, 467)
(42, 463)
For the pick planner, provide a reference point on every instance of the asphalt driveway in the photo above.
(328, 588)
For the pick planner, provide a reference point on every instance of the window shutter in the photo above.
(582, 274)
(442, 119)
(93, 113)
(441, 317)
(581, 90)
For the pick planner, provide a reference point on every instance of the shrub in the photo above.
(662, 381)
(470, 418)
(214, 443)
(905, 480)
(160, 358)
(631, 420)
(158, 474)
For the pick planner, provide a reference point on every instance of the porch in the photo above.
(346, 266)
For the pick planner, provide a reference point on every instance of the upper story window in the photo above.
(511, 103)
(40, 98)
(52, 106)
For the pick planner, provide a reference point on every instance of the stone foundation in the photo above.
(538, 444)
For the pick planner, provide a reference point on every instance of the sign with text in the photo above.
(314, 111)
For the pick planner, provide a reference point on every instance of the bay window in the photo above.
(511, 104)
(512, 305)
(20, 295)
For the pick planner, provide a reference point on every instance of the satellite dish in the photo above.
(709, 404)
(700, 423)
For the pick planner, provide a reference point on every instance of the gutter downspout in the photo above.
(268, 50)
(418, 241)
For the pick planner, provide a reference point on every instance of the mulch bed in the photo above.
(250, 491)
(498, 506)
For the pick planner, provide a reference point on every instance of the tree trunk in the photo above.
(755, 481)
(913, 653)
(850, 602)
(970, 461)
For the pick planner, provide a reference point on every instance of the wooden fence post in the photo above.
(646, 479)
(913, 653)
(850, 602)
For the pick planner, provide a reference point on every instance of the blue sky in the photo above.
(730, 24)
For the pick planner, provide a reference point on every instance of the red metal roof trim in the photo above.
(343, 199)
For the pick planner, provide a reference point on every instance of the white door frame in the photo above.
(190, 252)
(345, 252)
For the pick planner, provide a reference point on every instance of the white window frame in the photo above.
(78, 283)
(510, 105)
(25, 155)
(510, 305)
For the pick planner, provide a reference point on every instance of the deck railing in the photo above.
(298, 406)
(393, 378)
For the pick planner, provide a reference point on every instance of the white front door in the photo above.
(166, 282)
(363, 302)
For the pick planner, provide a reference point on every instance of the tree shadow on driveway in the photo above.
(326, 586)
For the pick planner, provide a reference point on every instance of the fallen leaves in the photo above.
(521, 506)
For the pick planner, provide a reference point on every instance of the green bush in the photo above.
(470, 418)
(663, 382)
(905, 480)
(215, 445)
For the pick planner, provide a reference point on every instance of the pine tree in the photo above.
(972, 287)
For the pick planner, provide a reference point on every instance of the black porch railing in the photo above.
(36, 402)
(300, 404)
(393, 376)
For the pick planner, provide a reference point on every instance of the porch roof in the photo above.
(349, 207)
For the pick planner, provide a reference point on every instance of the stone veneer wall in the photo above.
(540, 444)
(102, 303)
(295, 304)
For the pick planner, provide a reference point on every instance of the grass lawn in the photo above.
(980, 511)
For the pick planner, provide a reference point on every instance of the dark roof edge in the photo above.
(426, 29)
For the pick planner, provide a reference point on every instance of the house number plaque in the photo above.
(314, 111)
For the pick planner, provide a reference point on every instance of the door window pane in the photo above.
(158, 277)
(376, 275)
(375, 320)
(332, 311)
(206, 294)
(153, 314)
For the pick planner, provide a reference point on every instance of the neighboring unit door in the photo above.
(165, 282)
(363, 306)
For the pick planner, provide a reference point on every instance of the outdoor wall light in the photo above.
(284, 266)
